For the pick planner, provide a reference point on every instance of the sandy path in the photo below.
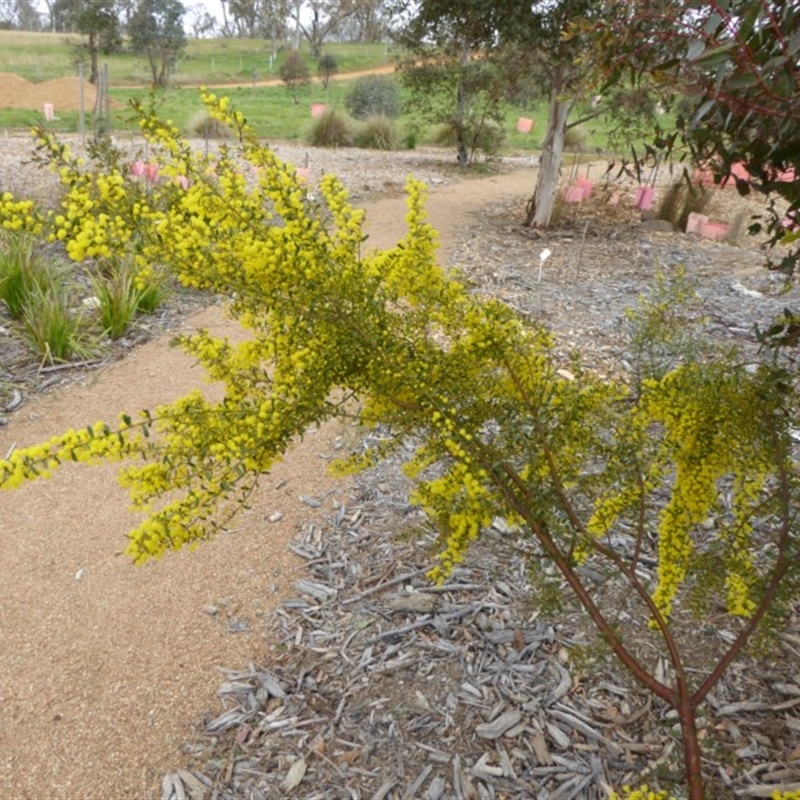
(104, 667)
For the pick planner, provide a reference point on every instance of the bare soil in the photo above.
(63, 93)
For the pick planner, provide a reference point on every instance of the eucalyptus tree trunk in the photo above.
(540, 207)
(462, 110)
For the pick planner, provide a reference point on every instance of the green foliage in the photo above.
(486, 138)
(327, 67)
(22, 271)
(52, 326)
(377, 132)
(736, 66)
(462, 97)
(295, 73)
(331, 129)
(371, 95)
(576, 137)
(204, 125)
(156, 30)
(117, 299)
(121, 295)
(663, 330)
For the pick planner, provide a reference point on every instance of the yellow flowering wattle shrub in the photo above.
(592, 471)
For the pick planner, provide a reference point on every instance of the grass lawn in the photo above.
(45, 56)
(269, 109)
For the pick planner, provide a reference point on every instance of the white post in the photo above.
(82, 113)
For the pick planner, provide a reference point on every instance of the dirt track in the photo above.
(64, 93)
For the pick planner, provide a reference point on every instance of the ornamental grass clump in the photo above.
(22, 271)
(53, 327)
(117, 297)
(377, 132)
(620, 478)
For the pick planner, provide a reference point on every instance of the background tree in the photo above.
(736, 68)
(97, 20)
(125, 12)
(245, 15)
(463, 94)
(295, 73)
(316, 20)
(19, 15)
(371, 22)
(200, 22)
(156, 29)
(523, 39)
(450, 39)
(273, 22)
(453, 74)
(327, 67)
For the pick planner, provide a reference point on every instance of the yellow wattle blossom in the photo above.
(504, 435)
(640, 793)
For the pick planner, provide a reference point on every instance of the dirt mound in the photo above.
(63, 93)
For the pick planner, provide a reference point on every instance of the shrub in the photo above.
(294, 73)
(486, 137)
(377, 132)
(620, 477)
(331, 129)
(204, 125)
(575, 138)
(373, 94)
(327, 67)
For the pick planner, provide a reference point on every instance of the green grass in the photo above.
(269, 109)
(36, 56)
(22, 271)
(45, 56)
(52, 328)
(214, 62)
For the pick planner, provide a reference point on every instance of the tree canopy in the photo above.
(736, 68)
(156, 29)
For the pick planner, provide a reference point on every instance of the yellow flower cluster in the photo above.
(502, 433)
(705, 440)
(640, 793)
(88, 445)
(19, 215)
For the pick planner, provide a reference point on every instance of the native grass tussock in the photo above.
(595, 473)
(63, 314)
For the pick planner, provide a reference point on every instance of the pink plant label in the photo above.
(644, 197)
(524, 125)
(49, 112)
(317, 109)
(585, 185)
(574, 194)
(694, 221)
(713, 230)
